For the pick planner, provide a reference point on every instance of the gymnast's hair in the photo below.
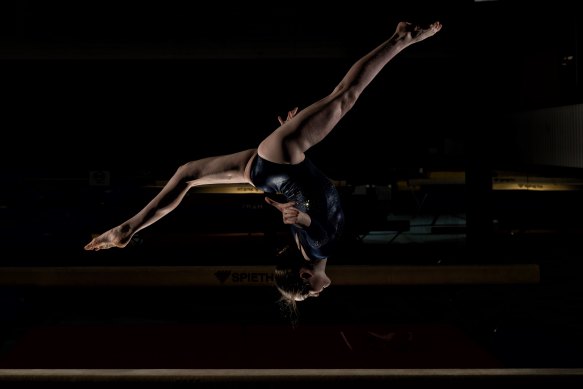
(291, 286)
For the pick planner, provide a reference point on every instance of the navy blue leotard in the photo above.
(313, 193)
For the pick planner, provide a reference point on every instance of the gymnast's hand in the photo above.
(290, 115)
(291, 215)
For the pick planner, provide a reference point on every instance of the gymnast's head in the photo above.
(297, 278)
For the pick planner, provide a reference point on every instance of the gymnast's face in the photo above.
(316, 278)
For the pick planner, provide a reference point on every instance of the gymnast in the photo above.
(279, 165)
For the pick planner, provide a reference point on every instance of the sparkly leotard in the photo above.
(313, 193)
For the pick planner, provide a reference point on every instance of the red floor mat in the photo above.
(196, 346)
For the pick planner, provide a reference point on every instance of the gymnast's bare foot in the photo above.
(116, 237)
(409, 33)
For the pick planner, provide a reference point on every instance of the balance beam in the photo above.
(228, 276)
(262, 378)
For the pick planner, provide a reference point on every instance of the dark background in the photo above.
(102, 99)
(133, 89)
(139, 86)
